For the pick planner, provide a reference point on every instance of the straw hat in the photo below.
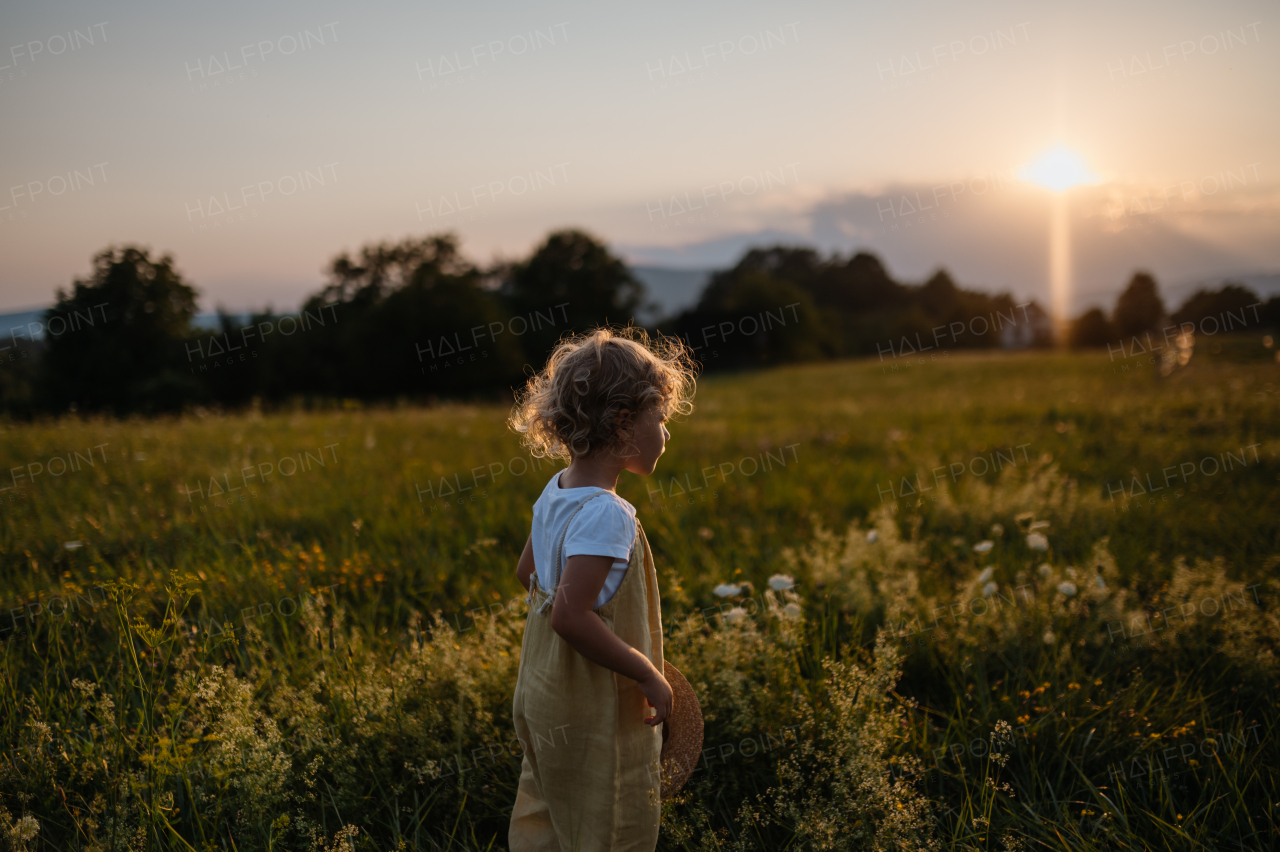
(681, 733)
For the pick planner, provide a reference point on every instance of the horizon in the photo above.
(672, 299)
(254, 144)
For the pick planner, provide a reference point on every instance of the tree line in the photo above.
(1139, 311)
(417, 320)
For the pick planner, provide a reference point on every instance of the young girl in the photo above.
(591, 658)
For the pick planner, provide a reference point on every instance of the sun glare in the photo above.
(1058, 170)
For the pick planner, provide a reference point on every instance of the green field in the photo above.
(300, 629)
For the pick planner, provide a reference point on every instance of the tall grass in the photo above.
(324, 659)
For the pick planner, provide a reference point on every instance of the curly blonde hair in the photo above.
(569, 410)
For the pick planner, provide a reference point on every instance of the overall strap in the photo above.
(555, 577)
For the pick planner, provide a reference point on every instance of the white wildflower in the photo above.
(1045, 569)
(73, 545)
(735, 615)
(984, 546)
(872, 537)
(726, 590)
(1101, 583)
(1067, 588)
(781, 582)
(1037, 541)
(25, 829)
(1049, 638)
(989, 589)
(1038, 525)
(791, 611)
(986, 574)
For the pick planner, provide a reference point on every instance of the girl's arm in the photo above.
(524, 568)
(586, 632)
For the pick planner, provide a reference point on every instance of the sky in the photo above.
(254, 142)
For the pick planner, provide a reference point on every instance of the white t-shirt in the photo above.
(606, 526)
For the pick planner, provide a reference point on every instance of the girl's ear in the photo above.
(623, 424)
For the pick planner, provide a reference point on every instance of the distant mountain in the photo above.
(22, 324)
(670, 290)
(716, 253)
(29, 325)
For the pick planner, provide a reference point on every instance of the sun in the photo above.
(1058, 170)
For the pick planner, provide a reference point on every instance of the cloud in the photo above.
(991, 232)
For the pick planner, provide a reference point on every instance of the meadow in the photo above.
(969, 601)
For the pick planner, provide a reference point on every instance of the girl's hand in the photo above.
(658, 693)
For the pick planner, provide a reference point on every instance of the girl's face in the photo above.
(649, 437)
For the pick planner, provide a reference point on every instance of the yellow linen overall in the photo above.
(590, 778)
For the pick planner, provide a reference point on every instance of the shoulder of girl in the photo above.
(605, 501)
(622, 503)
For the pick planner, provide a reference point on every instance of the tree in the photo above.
(859, 286)
(1233, 299)
(409, 318)
(796, 265)
(382, 268)
(1091, 329)
(940, 297)
(574, 277)
(1139, 307)
(1034, 328)
(1269, 313)
(19, 375)
(115, 341)
(758, 320)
